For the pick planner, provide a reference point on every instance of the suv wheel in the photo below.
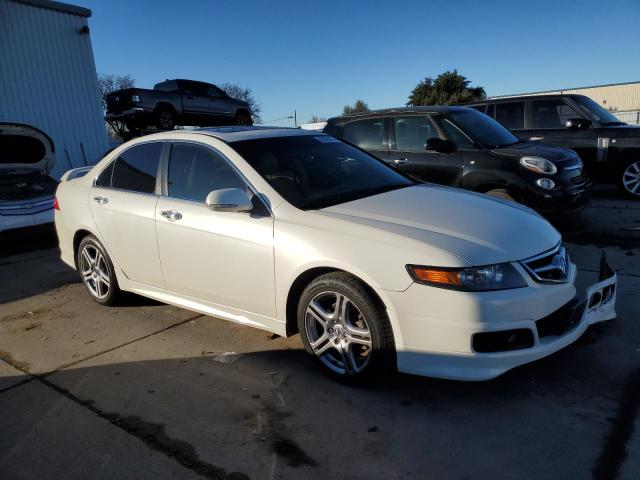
(96, 271)
(629, 180)
(345, 328)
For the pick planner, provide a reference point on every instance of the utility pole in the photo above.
(295, 119)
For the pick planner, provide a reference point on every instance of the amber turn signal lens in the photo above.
(447, 277)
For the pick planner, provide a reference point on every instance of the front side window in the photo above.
(215, 92)
(453, 133)
(412, 132)
(484, 129)
(136, 168)
(511, 115)
(313, 172)
(551, 113)
(367, 133)
(194, 171)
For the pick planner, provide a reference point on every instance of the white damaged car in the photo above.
(295, 231)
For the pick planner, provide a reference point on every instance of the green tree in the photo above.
(358, 107)
(448, 88)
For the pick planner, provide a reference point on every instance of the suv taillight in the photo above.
(56, 205)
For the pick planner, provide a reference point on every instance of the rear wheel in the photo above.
(345, 328)
(629, 180)
(96, 271)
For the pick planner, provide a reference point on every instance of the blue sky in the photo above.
(315, 57)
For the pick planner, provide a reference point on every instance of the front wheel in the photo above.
(345, 328)
(96, 271)
(629, 180)
(502, 193)
(165, 119)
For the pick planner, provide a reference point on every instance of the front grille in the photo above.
(549, 267)
(579, 179)
(563, 320)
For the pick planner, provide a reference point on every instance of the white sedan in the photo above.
(295, 231)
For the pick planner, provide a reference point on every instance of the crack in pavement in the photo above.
(151, 434)
(614, 450)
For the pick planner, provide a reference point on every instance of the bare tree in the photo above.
(110, 82)
(316, 119)
(235, 90)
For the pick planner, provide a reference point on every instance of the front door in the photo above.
(123, 202)
(223, 258)
(409, 135)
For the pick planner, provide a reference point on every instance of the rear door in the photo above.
(370, 134)
(123, 202)
(215, 257)
(409, 134)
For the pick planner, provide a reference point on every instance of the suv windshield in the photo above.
(313, 172)
(482, 128)
(595, 112)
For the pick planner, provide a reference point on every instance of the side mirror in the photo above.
(578, 123)
(228, 200)
(440, 145)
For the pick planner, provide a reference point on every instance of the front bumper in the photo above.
(570, 196)
(441, 345)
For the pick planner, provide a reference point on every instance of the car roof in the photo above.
(391, 111)
(239, 133)
(522, 97)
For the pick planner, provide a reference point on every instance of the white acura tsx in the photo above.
(295, 231)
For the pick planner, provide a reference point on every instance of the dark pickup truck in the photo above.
(609, 148)
(176, 102)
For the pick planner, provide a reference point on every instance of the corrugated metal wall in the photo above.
(48, 80)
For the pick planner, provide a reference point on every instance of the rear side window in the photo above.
(367, 134)
(104, 179)
(510, 115)
(136, 168)
(551, 113)
(412, 132)
(194, 171)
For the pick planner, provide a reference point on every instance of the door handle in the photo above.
(171, 215)
(101, 200)
(533, 139)
(400, 161)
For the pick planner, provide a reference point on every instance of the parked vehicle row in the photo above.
(460, 147)
(176, 102)
(297, 231)
(609, 148)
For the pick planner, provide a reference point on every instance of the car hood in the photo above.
(476, 228)
(536, 149)
(23, 147)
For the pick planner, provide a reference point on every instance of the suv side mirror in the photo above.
(440, 145)
(228, 200)
(578, 123)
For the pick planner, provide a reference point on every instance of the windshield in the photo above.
(313, 172)
(483, 128)
(595, 112)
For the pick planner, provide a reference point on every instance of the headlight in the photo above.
(502, 276)
(539, 165)
(135, 98)
(546, 183)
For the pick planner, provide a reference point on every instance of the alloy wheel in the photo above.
(94, 271)
(338, 333)
(166, 120)
(631, 178)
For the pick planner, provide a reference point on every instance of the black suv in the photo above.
(610, 148)
(460, 147)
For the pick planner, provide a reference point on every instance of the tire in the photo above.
(243, 118)
(96, 271)
(502, 193)
(629, 179)
(165, 119)
(355, 346)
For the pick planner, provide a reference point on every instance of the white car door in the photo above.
(224, 258)
(123, 203)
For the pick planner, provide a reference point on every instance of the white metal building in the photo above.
(622, 99)
(48, 78)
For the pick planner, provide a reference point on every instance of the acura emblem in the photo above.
(560, 263)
